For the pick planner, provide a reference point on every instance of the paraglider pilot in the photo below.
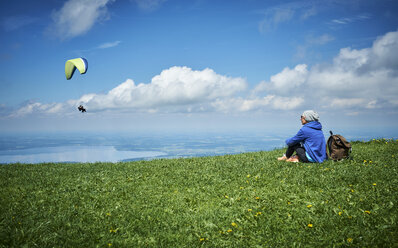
(81, 108)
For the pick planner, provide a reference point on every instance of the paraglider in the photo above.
(71, 65)
(81, 108)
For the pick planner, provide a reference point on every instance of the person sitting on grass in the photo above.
(309, 143)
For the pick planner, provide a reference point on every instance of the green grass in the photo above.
(245, 200)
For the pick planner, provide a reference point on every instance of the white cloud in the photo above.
(285, 13)
(76, 17)
(276, 17)
(12, 23)
(35, 107)
(149, 5)
(370, 73)
(309, 12)
(320, 40)
(177, 87)
(287, 103)
(285, 82)
(307, 49)
(348, 20)
(240, 104)
(109, 44)
(347, 102)
(269, 102)
(360, 79)
(282, 15)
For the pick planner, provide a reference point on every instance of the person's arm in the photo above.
(299, 137)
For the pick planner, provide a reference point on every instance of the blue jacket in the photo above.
(313, 140)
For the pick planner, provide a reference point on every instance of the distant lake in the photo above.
(116, 147)
(38, 148)
(74, 154)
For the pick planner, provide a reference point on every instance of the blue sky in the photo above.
(168, 64)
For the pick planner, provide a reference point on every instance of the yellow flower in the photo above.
(289, 203)
(257, 198)
(229, 230)
(109, 244)
(201, 239)
(309, 205)
(108, 214)
(352, 190)
(349, 240)
(364, 161)
(249, 210)
(234, 224)
(368, 212)
(226, 197)
(374, 184)
(340, 213)
(309, 225)
(248, 176)
(241, 188)
(257, 214)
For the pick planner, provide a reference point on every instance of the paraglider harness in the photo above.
(338, 147)
(81, 108)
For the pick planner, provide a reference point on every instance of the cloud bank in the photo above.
(174, 89)
(76, 17)
(362, 79)
(355, 81)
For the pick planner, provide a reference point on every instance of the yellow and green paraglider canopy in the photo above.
(71, 65)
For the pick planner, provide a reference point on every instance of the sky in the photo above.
(198, 65)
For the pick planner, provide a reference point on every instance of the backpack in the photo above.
(338, 147)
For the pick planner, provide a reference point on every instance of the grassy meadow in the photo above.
(244, 200)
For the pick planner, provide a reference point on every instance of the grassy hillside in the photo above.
(245, 200)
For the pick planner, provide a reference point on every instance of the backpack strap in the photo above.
(328, 143)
